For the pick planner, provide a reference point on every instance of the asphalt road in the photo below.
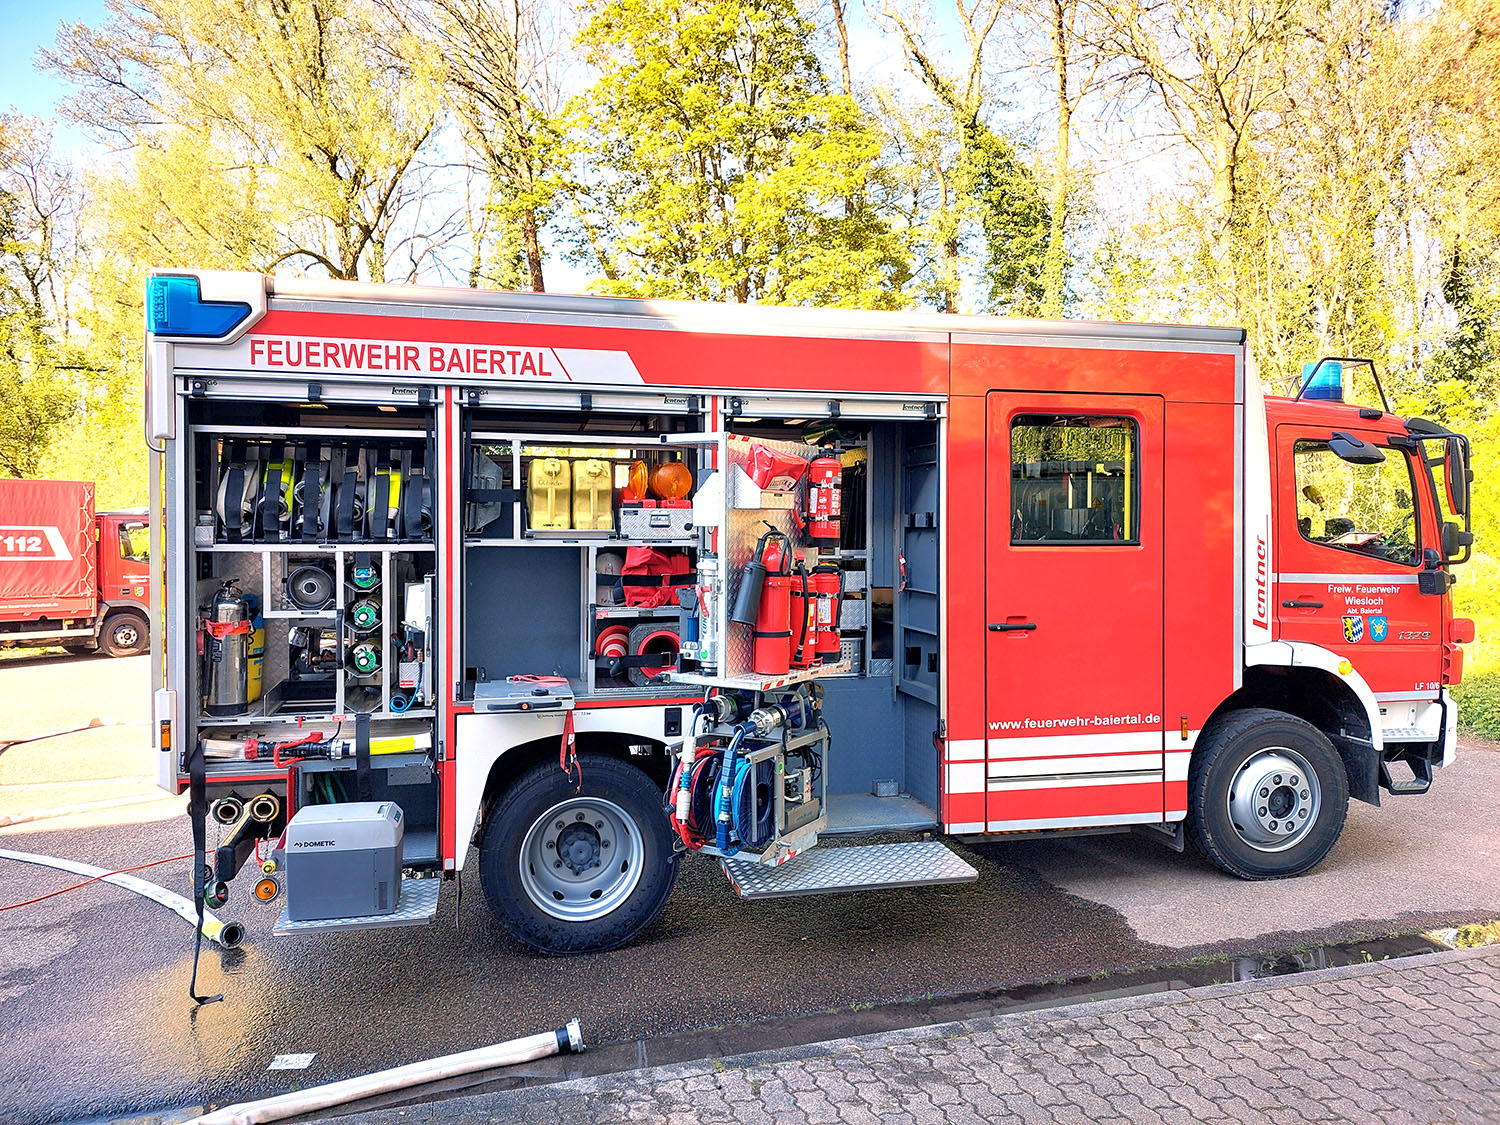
(95, 1019)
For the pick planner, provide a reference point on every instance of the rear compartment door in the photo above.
(1073, 596)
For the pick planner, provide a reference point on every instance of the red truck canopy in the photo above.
(47, 550)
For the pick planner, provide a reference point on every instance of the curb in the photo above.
(520, 1098)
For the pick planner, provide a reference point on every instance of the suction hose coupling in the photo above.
(264, 808)
(227, 810)
(570, 1038)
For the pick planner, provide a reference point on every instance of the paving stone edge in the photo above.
(672, 1071)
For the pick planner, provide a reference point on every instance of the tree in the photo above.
(307, 98)
(720, 164)
(497, 67)
(40, 251)
(1213, 67)
(977, 178)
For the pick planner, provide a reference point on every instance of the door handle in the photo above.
(1007, 627)
(1293, 603)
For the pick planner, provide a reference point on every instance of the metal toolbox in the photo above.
(655, 523)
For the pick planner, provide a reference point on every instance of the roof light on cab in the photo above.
(1323, 380)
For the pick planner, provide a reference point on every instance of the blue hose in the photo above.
(723, 807)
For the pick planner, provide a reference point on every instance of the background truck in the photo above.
(69, 576)
(579, 587)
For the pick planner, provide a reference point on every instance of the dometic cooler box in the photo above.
(343, 861)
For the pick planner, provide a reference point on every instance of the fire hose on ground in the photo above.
(226, 934)
(564, 1040)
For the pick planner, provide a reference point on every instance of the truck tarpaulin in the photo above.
(46, 549)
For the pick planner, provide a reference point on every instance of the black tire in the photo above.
(514, 896)
(1254, 746)
(125, 633)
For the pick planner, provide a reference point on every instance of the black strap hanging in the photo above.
(268, 507)
(378, 505)
(311, 507)
(362, 756)
(403, 467)
(348, 494)
(198, 815)
(232, 490)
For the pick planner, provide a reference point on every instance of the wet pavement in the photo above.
(95, 1020)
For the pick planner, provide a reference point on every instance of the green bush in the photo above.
(1477, 595)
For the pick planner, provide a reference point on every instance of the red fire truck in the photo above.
(68, 576)
(573, 587)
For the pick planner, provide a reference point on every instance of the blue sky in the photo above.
(30, 24)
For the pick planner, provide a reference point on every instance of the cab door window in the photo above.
(1364, 509)
(135, 541)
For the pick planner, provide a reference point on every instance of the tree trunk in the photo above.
(1054, 269)
(530, 234)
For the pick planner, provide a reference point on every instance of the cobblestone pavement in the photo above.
(1405, 1041)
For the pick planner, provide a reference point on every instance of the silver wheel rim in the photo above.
(1274, 799)
(126, 635)
(581, 859)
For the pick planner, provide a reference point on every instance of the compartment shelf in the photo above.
(760, 683)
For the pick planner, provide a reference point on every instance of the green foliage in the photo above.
(726, 170)
(1477, 596)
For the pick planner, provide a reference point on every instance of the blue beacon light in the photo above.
(1323, 380)
(175, 307)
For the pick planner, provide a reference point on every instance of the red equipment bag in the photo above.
(652, 576)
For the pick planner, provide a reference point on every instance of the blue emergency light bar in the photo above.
(175, 307)
(1323, 380)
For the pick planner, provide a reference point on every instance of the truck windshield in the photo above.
(135, 541)
(1367, 509)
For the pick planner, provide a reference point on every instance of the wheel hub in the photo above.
(579, 847)
(581, 858)
(1274, 799)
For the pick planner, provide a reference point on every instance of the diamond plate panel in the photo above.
(419, 899)
(868, 867)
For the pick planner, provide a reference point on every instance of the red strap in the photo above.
(567, 756)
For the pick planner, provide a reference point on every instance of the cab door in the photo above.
(1073, 597)
(1350, 543)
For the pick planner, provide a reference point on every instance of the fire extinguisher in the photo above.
(827, 586)
(825, 477)
(764, 602)
(804, 618)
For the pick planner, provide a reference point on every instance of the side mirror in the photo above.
(1455, 539)
(1456, 476)
(1356, 452)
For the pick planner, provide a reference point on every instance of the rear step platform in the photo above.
(418, 904)
(869, 867)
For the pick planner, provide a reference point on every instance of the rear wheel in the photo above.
(578, 872)
(1267, 795)
(125, 634)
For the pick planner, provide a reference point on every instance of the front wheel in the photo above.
(1267, 795)
(578, 872)
(125, 634)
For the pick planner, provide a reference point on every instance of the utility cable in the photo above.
(95, 879)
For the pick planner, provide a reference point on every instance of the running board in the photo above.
(417, 905)
(870, 867)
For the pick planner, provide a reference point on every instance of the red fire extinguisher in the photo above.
(825, 477)
(764, 602)
(827, 587)
(804, 618)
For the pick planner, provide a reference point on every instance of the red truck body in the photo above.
(66, 573)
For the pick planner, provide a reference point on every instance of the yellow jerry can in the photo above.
(593, 495)
(550, 494)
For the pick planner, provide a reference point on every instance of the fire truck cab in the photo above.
(583, 585)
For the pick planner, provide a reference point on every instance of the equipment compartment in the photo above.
(582, 542)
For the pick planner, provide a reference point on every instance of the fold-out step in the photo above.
(418, 904)
(869, 867)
